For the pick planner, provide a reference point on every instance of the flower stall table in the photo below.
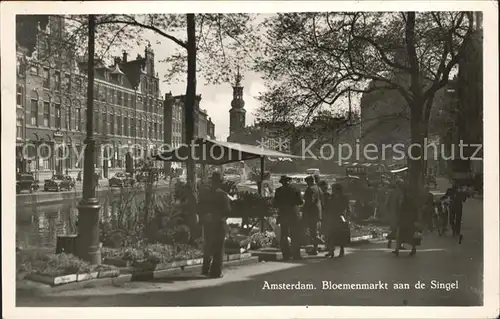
(253, 208)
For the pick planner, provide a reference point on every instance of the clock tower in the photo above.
(237, 111)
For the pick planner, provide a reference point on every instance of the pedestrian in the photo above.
(393, 206)
(317, 181)
(214, 209)
(407, 218)
(312, 212)
(428, 209)
(326, 209)
(339, 233)
(287, 200)
(267, 186)
(456, 197)
(96, 180)
(79, 176)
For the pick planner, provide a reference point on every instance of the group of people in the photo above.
(324, 215)
(318, 211)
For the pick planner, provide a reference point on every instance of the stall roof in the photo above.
(206, 151)
(394, 171)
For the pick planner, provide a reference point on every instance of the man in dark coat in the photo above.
(457, 198)
(287, 200)
(312, 212)
(214, 208)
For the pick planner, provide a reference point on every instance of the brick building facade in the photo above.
(51, 104)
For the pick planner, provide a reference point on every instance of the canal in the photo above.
(40, 220)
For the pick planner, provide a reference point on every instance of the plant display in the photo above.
(153, 253)
(260, 240)
(42, 263)
(251, 205)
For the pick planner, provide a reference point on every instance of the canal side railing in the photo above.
(54, 198)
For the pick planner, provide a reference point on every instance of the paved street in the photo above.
(103, 184)
(439, 258)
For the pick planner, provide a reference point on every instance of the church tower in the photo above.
(237, 111)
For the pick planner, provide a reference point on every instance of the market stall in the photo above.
(211, 152)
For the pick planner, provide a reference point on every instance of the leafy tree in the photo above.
(313, 59)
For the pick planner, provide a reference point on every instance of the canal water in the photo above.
(38, 225)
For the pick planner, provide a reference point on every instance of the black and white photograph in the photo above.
(250, 158)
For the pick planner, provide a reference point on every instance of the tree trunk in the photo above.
(191, 95)
(190, 117)
(415, 154)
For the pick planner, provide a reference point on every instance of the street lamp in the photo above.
(88, 209)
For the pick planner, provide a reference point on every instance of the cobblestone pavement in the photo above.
(439, 258)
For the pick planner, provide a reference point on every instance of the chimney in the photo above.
(124, 58)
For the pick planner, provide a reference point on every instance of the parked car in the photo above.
(121, 180)
(59, 182)
(312, 171)
(143, 177)
(26, 182)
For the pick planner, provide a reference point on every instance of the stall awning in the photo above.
(206, 151)
(395, 171)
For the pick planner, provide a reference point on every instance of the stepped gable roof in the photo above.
(133, 70)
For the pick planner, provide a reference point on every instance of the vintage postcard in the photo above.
(276, 159)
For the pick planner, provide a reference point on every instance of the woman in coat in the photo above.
(339, 234)
(393, 207)
(407, 219)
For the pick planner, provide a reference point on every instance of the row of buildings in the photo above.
(51, 101)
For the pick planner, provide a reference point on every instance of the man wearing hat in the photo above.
(214, 209)
(287, 200)
(312, 212)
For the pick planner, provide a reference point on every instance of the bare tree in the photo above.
(313, 59)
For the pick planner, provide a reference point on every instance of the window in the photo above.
(19, 131)
(44, 155)
(67, 82)
(57, 108)
(78, 119)
(119, 125)
(57, 80)
(68, 156)
(112, 124)
(125, 126)
(156, 131)
(34, 112)
(46, 114)
(119, 98)
(46, 78)
(96, 122)
(132, 127)
(68, 119)
(78, 83)
(133, 102)
(105, 123)
(34, 69)
(19, 96)
(139, 125)
(150, 128)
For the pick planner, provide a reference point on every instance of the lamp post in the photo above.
(88, 209)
